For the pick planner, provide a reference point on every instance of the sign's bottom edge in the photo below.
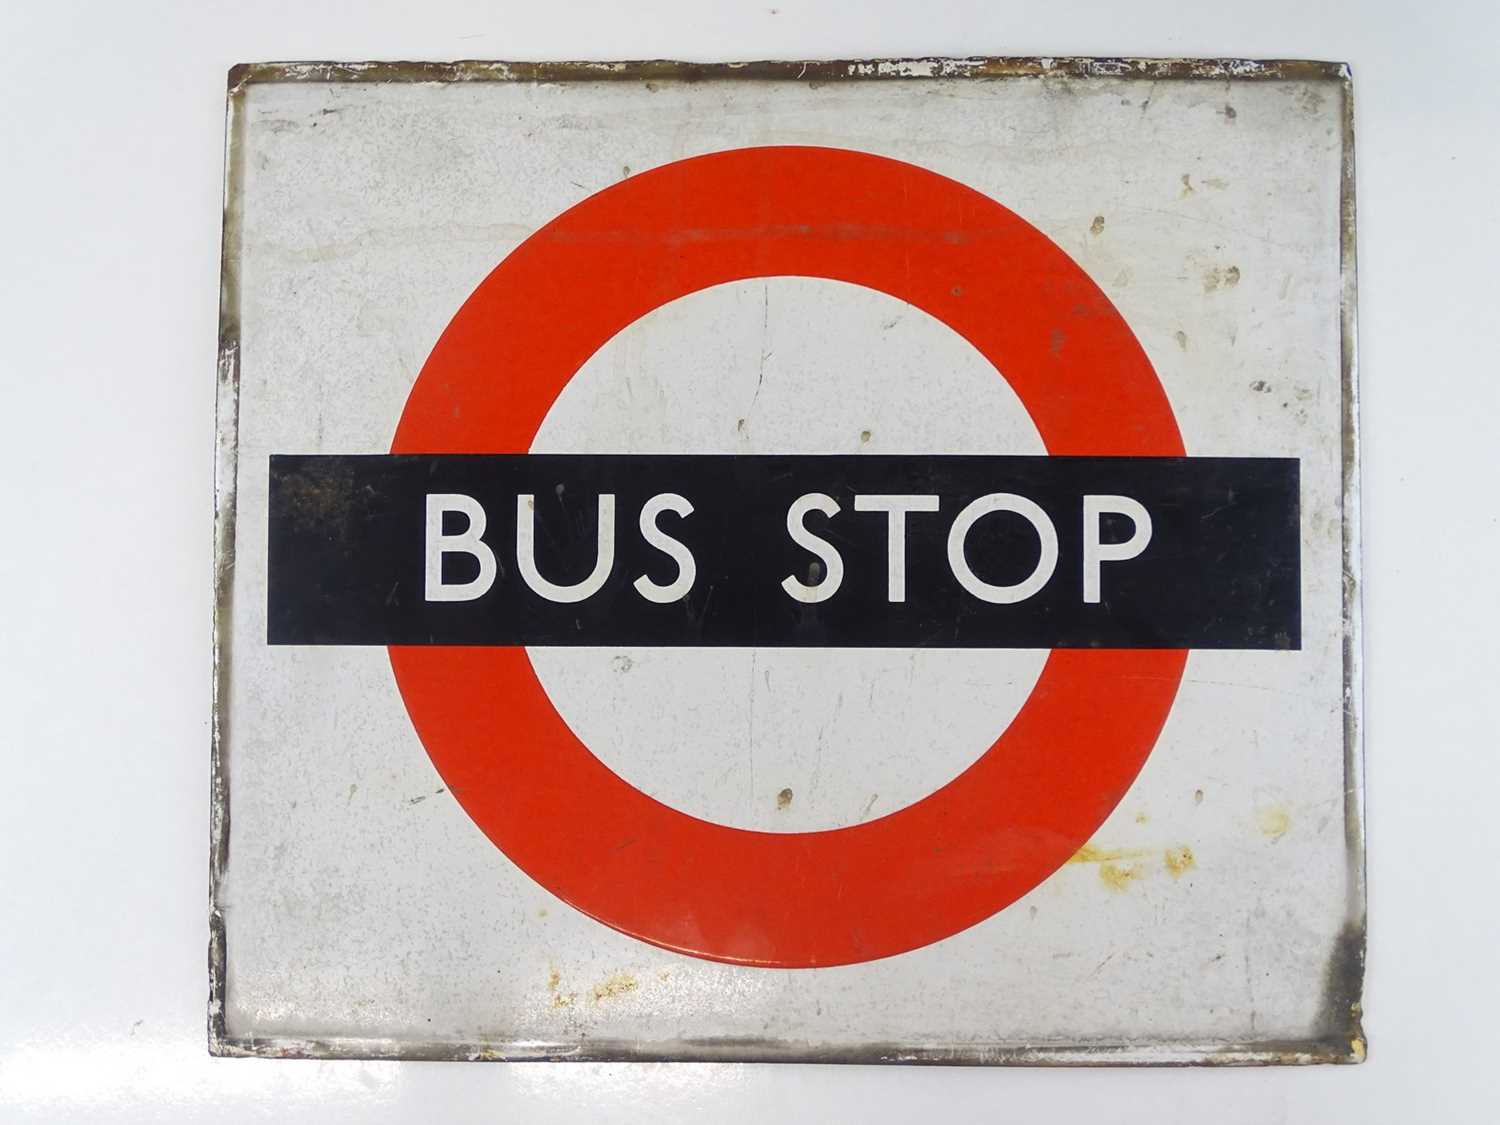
(1337, 1050)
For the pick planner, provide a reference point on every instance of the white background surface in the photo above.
(110, 179)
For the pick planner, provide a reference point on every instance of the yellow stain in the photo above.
(1179, 861)
(560, 999)
(1275, 821)
(1090, 854)
(1119, 867)
(617, 985)
(1117, 877)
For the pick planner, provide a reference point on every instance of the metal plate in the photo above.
(868, 833)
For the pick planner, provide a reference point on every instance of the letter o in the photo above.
(958, 535)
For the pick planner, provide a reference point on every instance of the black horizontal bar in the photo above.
(349, 550)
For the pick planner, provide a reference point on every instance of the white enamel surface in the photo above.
(361, 902)
(111, 202)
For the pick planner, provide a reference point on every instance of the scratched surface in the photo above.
(1217, 914)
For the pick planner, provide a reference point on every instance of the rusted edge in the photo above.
(1159, 1054)
(1344, 989)
(226, 458)
(812, 70)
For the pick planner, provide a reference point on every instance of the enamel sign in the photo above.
(793, 561)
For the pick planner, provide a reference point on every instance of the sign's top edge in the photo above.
(812, 70)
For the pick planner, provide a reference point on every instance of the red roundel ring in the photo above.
(933, 868)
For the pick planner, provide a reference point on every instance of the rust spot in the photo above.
(1097, 226)
(784, 800)
(1179, 861)
(1343, 991)
(864, 436)
(1197, 796)
(1141, 817)
(1091, 854)
(1187, 185)
(1119, 867)
(1113, 873)
(560, 999)
(1118, 876)
(617, 985)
